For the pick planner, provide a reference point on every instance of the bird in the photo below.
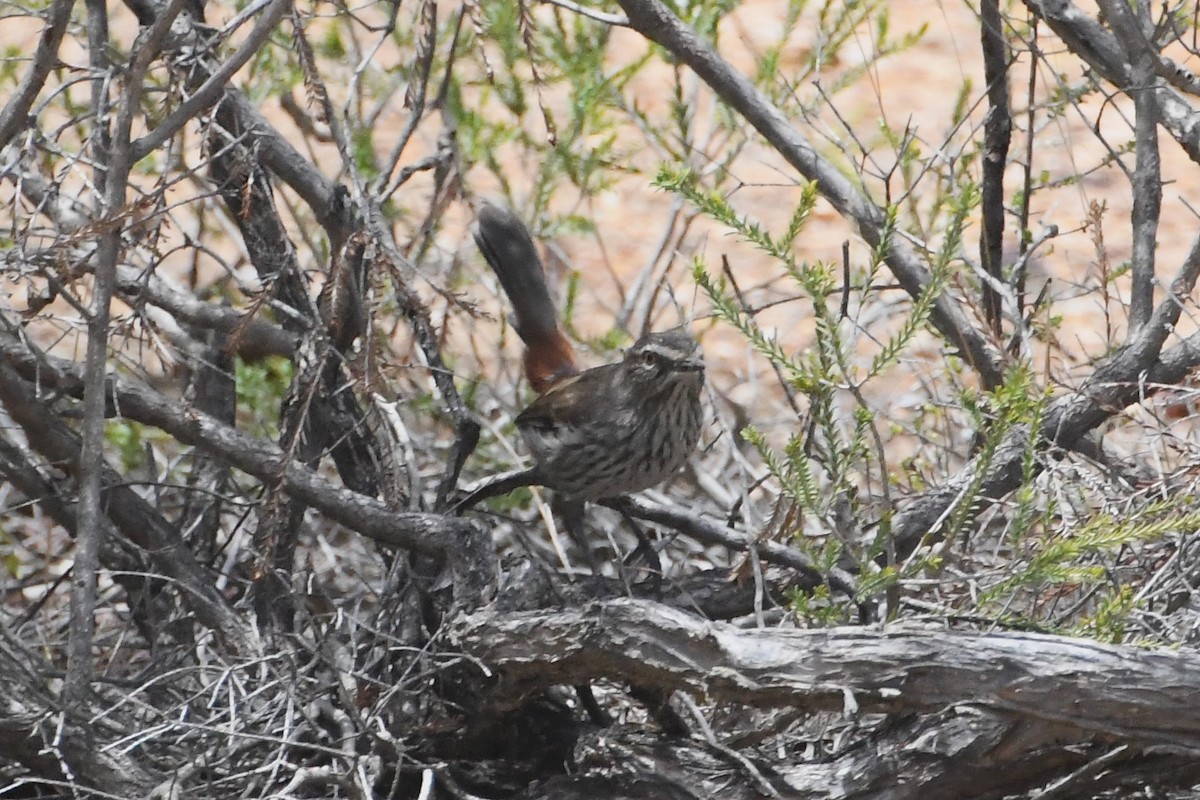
(622, 427)
(599, 433)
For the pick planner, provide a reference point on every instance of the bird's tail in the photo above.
(509, 250)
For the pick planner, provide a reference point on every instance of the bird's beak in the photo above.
(693, 364)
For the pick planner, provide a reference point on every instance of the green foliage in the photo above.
(820, 465)
(568, 313)
(704, 17)
(831, 461)
(332, 45)
(568, 59)
(820, 609)
(515, 500)
(261, 387)
(362, 146)
(128, 438)
(11, 561)
(9, 65)
(274, 70)
(1018, 401)
(612, 340)
(1073, 560)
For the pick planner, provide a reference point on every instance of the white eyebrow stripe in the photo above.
(673, 353)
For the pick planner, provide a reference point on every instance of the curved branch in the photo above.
(1095, 44)
(141, 523)
(709, 532)
(256, 337)
(1126, 378)
(1122, 692)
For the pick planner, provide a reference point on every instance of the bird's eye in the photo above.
(650, 358)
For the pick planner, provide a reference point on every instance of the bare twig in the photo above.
(12, 117)
(467, 549)
(1146, 186)
(654, 21)
(214, 86)
(996, 137)
(615, 20)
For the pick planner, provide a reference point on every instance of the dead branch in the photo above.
(1014, 708)
(1121, 692)
(1119, 382)
(467, 548)
(1096, 45)
(13, 116)
(141, 523)
(256, 337)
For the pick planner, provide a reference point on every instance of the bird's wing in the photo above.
(573, 401)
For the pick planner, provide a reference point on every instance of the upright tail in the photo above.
(506, 245)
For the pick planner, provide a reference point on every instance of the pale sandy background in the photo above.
(916, 89)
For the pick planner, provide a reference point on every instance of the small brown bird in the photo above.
(604, 432)
(622, 427)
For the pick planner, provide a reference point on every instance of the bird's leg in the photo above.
(645, 552)
(571, 513)
(496, 486)
(596, 713)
